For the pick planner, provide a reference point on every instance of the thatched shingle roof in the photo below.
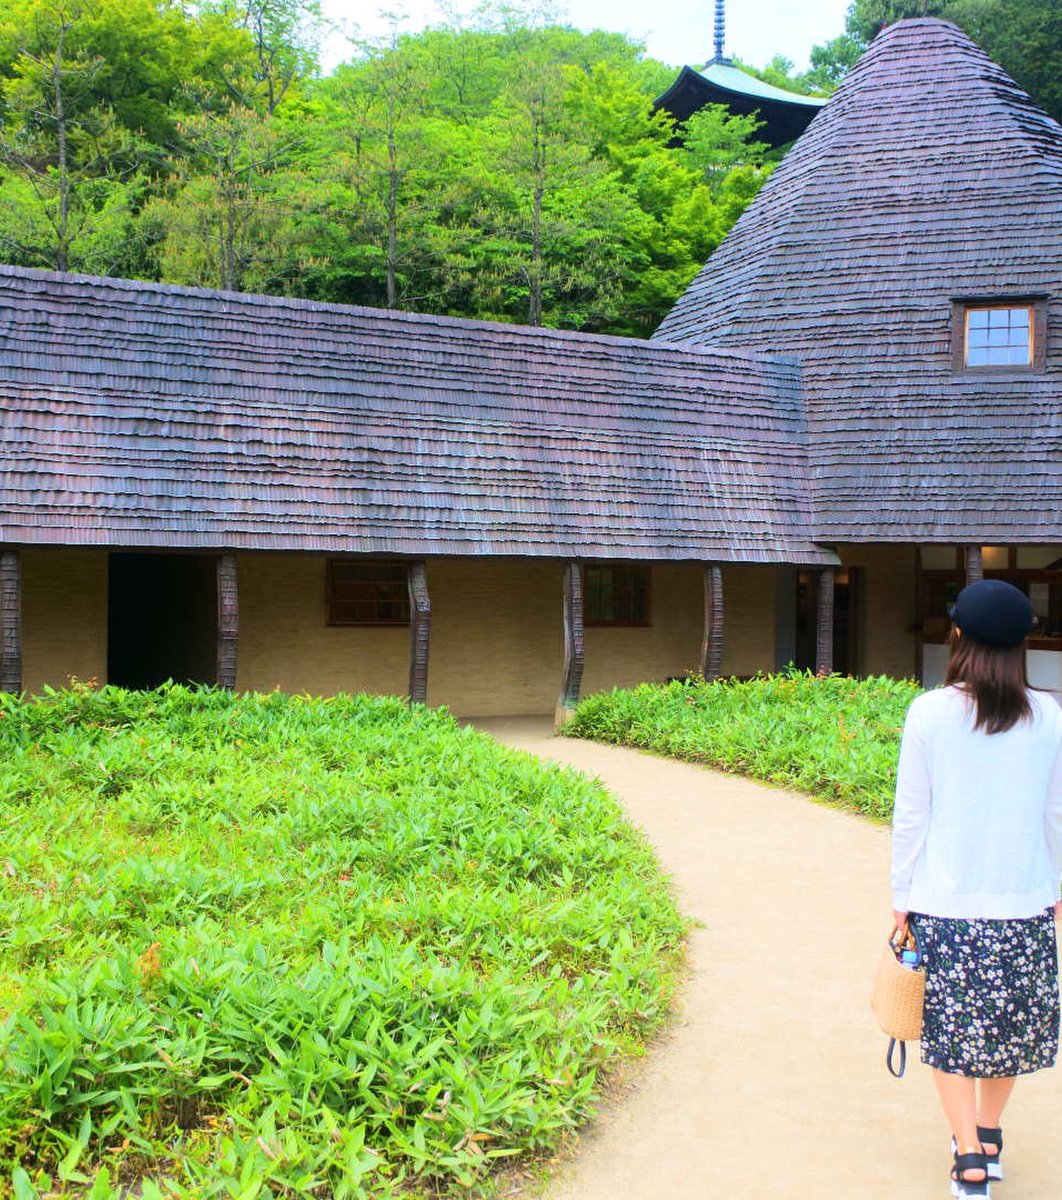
(136, 414)
(928, 177)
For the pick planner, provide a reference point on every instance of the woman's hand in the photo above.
(1058, 910)
(899, 919)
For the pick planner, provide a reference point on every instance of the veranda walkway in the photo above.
(772, 1081)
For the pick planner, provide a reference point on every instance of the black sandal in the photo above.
(962, 1187)
(995, 1138)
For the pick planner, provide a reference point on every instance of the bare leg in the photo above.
(958, 1097)
(992, 1097)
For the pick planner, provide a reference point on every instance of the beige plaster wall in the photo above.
(64, 616)
(749, 619)
(497, 637)
(497, 633)
(619, 656)
(496, 646)
(497, 630)
(887, 613)
(285, 642)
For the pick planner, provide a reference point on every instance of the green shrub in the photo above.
(262, 946)
(834, 737)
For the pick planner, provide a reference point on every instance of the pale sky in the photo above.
(676, 31)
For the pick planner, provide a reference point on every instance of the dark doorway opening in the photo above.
(162, 619)
(845, 621)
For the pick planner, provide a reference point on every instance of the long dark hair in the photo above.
(994, 678)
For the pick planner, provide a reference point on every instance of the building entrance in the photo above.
(162, 619)
(845, 597)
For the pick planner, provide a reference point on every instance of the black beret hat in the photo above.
(994, 613)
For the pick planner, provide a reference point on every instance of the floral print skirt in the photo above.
(991, 1005)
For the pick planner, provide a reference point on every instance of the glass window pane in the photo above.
(978, 337)
(998, 318)
(1019, 355)
(1019, 318)
(367, 593)
(977, 318)
(616, 595)
(978, 357)
(1036, 557)
(938, 558)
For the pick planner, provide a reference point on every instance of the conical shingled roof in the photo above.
(929, 178)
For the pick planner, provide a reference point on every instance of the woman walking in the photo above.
(976, 867)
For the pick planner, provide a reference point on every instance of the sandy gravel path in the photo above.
(772, 1081)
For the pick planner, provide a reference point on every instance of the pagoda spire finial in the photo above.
(720, 31)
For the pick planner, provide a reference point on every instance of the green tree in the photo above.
(1024, 37)
(221, 225)
(69, 173)
(714, 141)
(285, 36)
(511, 173)
(867, 17)
(779, 73)
(831, 62)
(383, 105)
(145, 55)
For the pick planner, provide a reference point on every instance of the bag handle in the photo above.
(905, 940)
(893, 1043)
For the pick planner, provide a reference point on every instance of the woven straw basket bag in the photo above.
(899, 993)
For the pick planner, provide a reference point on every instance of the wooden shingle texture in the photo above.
(930, 176)
(142, 415)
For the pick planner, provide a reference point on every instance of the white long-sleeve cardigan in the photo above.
(977, 828)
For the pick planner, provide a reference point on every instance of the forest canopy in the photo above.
(499, 167)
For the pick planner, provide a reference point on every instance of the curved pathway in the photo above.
(772, 1080)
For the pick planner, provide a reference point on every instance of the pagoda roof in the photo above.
(785, 114)
(929, 180)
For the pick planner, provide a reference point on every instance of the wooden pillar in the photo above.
(824, 622)
(10, 621)
(573, 644)
(228, 620)
(975, 569)
(419, 632)
(712, 646)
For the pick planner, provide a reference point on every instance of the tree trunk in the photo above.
(534, 278)
(392, 219)
(62, 229)
(534, 299)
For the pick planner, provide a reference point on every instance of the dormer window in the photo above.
(998, 335)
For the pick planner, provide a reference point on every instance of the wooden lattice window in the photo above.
(999, 335)
(367, 592)
(616, 595)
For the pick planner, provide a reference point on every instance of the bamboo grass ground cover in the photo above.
(269, 946)
(833, 737)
